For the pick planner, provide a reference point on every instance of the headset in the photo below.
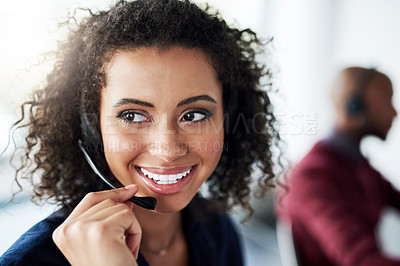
(355, 104)
(91, 146)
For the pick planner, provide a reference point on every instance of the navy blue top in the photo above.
(211, 237)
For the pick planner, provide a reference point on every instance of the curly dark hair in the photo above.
(54, 112)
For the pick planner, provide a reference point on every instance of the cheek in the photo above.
(210, 148)
(375, 112)
(119, 149)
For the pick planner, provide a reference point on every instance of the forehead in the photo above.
(150, 70)
(153, 58)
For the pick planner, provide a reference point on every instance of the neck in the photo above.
(158, 229)
(350, 131)
(346, 144)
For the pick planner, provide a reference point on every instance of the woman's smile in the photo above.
(166, 180)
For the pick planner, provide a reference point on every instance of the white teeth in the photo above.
(144, 171)
(165, 179)
(172, 177)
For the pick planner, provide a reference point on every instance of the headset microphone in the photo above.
(145, 202)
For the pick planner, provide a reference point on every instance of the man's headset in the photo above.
(355, 105)
(91, 146)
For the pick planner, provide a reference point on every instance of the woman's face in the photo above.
(161, 117)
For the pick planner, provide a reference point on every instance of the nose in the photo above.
(165, 142)
(394, 112)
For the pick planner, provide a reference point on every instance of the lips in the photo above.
(165, 179)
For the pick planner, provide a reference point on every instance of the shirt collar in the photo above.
(345, 144)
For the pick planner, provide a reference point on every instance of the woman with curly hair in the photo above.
(157, 97)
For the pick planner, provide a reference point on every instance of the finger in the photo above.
(93, 198)
(133, 243)
(94, 212)
(103, 210)
(133, 238)
(129, 204)
(131, 229)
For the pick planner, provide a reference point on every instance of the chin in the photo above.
(172, 203)
(381, 135)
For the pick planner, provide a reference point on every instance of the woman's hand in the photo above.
(101, 230)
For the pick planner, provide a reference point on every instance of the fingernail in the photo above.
(131, 186)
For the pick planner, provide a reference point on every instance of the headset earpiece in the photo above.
(91, 139)
(355, 105)
(90, 127)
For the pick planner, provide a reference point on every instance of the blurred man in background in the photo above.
(335, 198)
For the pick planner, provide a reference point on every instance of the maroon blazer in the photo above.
(334, 203)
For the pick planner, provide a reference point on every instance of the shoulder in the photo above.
(319, 175)
(322, 154)
(322, 161)
(36, 247)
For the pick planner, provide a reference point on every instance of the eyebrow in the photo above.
(193, 99)
(124, 101)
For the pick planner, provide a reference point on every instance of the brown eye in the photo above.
(133, 117)
(195, 116)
